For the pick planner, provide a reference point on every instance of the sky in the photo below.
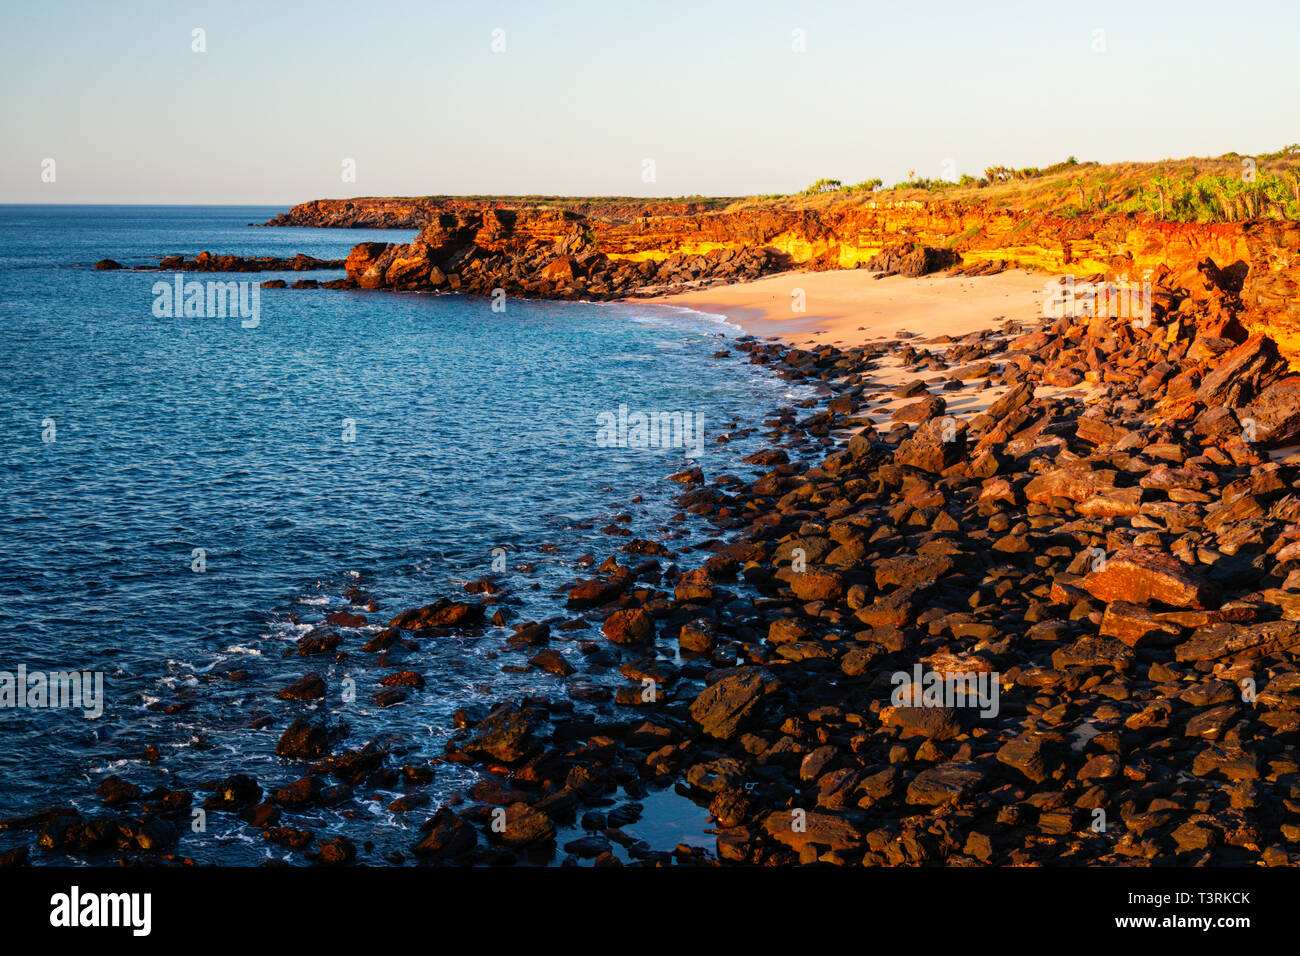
(619, 97)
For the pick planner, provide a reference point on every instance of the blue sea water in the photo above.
(475, 430)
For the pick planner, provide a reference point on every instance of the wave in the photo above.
(697, 317)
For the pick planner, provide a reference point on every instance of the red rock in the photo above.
(361, 264)
(1141, 575)
(403, 679)
(442, 613)
(797, 829)
(409, 267)
(503, 735)
(598, 591)
(727, 706)
(1034, 755)
(1275, 413)
(530, 633)
(934, 723)
(1116, 503)
(1217, 424)
(818, 586)
(936, 445)
(949, 781)
(696, 640)
(910, 569)
(524, 826)
(1076, 483)
(919, 411)
(1238, 376)
(551, 661)
(1098, 431)
(1030, 342)
(446, 837)
(308, 687)
(628, 626)
(346, 619)
(561, 270)
(1062, 377)
(299, 793)
(1137, 626)
(688, 476)
(1018, 397)
(304, 740)
(694, 585)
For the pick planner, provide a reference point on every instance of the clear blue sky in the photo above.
(585, 91)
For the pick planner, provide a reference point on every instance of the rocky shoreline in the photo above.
(1125, 570)
(515, 252)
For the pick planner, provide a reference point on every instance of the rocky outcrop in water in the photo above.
(207, 262)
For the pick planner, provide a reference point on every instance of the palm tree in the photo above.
(1160, 183)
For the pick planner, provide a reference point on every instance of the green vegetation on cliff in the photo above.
(1228, 188)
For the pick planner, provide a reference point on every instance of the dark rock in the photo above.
(304, 740)
(733, 702)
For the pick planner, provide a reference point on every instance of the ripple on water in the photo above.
(474, 431)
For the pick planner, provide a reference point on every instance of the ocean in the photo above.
(185, 497)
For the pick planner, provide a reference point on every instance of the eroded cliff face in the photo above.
(1271, 292)
(610, 248)
(847, 235)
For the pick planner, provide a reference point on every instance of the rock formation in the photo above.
(686, 241)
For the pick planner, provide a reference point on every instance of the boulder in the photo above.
(733, 702)
(796, 829)
(912, 569)
(936, 445)
(597, 591)
(308, 687)
(912, 259)
(560, 270)
(1275, 413)
(696, 585)
(1035, 756)
(933, 723)
(1143, 576)
(505, 734)
(442, 613)
(304, 740)
(446, 837)
(628, 626)
(1243, 373)
(362, 264)
(817, 585)
(946, 783)
(525, 826)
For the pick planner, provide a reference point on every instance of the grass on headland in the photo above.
(1228, 188)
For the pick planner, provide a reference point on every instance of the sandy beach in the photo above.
(853, 306)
